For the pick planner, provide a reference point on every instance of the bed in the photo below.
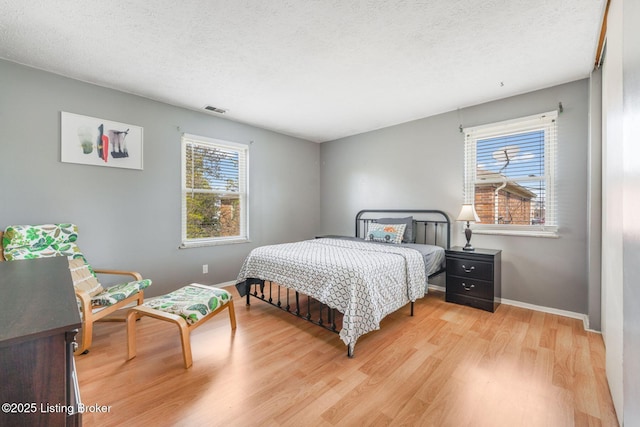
(348, 284)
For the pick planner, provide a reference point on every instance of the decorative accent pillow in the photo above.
(83, 277)
(386, 233)
(409, 233)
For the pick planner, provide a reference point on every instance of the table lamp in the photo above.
(468, 213)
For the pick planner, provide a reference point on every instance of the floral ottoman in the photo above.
(187, 307)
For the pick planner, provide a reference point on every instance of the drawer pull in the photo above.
(468, 270)
(467, 288)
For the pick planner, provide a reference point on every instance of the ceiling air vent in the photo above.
(215, 109)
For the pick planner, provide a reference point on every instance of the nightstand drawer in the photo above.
(483, 304)
(470, 287)
(470, 268)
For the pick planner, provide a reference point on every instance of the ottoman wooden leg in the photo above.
(232, 314)
(185, 337)
(161, 315)
(132, 316)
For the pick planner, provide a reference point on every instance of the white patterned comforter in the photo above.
(364, 281)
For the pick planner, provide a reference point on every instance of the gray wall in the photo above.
(420, 165)
(130, 219)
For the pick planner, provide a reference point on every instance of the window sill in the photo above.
(211, 242)
(551, 234)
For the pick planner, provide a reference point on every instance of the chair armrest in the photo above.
(134, 274)
(85, 301)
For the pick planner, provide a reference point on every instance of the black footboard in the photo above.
(295, 303)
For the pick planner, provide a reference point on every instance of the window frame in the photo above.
(544, 121)
(243, 190)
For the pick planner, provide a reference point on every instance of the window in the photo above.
(214, 191)
(509, 175)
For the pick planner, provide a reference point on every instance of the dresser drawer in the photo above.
(469, 287)
(470, 268)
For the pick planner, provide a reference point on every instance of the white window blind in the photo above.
(509, 175)
(214, 191)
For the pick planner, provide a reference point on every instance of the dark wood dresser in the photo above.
(474, 278)
(38, 321)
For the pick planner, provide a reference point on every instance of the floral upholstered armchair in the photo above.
(23, 242)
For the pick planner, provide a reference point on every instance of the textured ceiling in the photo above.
(315, 69)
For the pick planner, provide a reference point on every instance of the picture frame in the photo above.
(92, 141)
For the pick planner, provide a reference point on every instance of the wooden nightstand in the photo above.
(474, 277)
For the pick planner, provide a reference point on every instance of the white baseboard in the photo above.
(565, 313)
(437, 288)
(225, 284)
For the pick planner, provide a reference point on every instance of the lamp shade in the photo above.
(468, 213)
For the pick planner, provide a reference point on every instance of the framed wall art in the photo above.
(92, 141)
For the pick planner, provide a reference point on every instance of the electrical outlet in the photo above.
(205, 268)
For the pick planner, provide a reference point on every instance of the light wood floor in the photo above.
(448, 365)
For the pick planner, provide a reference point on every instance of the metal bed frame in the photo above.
(435, 227)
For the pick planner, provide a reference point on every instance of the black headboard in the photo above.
(432, 226)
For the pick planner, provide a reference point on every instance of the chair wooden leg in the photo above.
(132, 316)
(87, 337)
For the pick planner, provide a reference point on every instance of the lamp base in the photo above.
(467, 234)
